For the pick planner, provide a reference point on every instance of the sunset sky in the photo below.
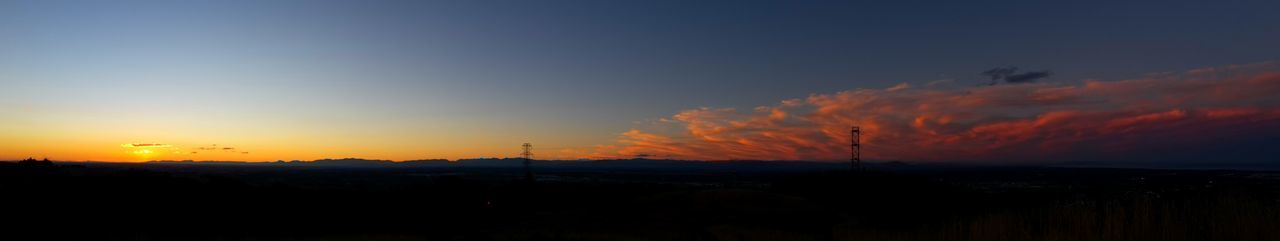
(710, 80)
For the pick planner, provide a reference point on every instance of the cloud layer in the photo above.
(1010, 75)
(1088, 120)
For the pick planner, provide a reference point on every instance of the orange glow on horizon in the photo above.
(1005, 122)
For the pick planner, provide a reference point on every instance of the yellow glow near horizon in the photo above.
(145, 154)
(93, 135)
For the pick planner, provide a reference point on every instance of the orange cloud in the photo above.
(1026, 122)
(143, 145)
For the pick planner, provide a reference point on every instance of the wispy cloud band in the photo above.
(1033, 121)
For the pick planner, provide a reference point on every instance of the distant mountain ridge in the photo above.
(639, 164)
(610, 164)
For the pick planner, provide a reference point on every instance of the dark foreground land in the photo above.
(177, 201)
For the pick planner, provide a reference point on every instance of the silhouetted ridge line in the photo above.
(516, 163)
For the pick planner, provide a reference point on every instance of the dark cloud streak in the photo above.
(1010, 75)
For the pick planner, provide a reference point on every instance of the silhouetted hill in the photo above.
(348, 162)
(1173, 165)
(639, 164)
(636, 199)
(614, 164)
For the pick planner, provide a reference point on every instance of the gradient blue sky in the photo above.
(451, 79)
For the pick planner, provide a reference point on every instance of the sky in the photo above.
(946, 81)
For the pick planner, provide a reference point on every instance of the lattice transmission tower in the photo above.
(527, 155)
(855, 149)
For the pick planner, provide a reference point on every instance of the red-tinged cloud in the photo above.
(1094, 120)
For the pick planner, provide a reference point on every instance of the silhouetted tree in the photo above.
(33, 162)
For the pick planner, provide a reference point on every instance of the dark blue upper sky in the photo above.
(583, 69)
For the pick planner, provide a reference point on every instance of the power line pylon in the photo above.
(527, 155)
(855, 149)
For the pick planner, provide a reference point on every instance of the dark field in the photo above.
(175, 201)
